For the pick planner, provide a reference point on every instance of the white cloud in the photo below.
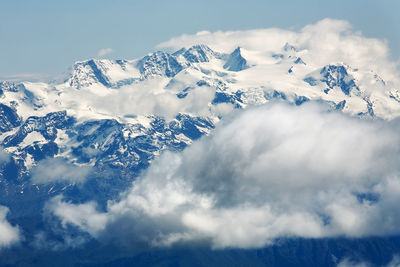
(52, 170)
(8, 234)
(269, 172)
(259, 40)
(105, 51)
(84, 216)
(151, 98)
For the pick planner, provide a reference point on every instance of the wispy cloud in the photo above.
(53, 170)
(31, 77)
(105, 51)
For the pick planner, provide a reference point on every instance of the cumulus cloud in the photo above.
(8, 234)
(265, 173)
(105, 51)
(325, 42)
(52, 170)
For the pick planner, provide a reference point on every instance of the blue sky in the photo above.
(47, 36)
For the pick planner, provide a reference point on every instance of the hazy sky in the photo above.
(47, 36)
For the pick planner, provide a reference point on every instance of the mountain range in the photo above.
(89, 135)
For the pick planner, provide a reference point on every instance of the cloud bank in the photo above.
(8, 234)
(270, 172)
(150, 98)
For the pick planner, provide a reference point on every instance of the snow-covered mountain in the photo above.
(116, 116)
(123, 113)
(117, 112)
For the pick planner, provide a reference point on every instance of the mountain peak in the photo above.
(11, 86)
(299, 61)
(236, 62)
(197, 53)
(288, 47)
(88, 72)
(159, 63)
(334, 75)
